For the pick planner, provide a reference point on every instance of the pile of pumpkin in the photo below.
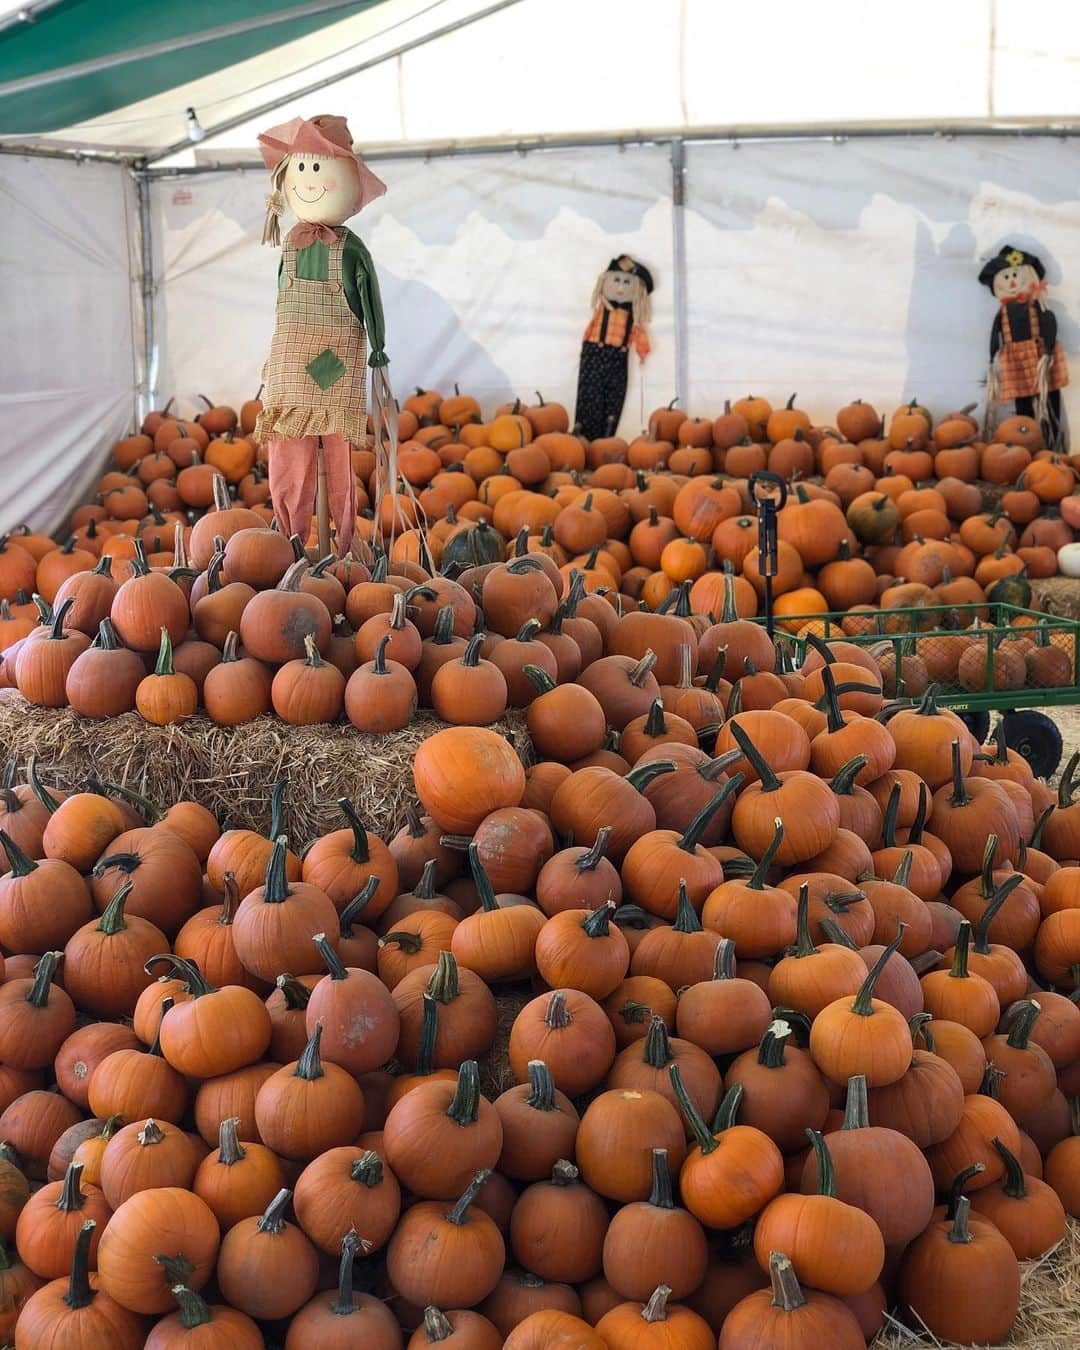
(538, 550)
(799, 1046)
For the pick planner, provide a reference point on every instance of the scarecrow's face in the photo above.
(1012, 282)
(323, 191)
(618, 287)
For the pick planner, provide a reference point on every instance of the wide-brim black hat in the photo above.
(1010, 257)
(624, 263)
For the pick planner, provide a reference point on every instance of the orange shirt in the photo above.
(614, 327)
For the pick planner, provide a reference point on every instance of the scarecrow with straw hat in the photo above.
(621, 309)
(328, 309)
(1030, 363)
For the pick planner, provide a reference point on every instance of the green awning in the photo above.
(76, 31)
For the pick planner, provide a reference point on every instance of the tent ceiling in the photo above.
(418, 72)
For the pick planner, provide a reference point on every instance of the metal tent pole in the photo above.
(678, 265)
(148, 373)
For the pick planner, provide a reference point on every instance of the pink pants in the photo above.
(293, 476)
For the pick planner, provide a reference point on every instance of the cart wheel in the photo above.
(1036, 737)
(978, 723)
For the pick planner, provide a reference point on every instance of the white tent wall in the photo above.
(486, 265)
(68, 270)
(850, 269)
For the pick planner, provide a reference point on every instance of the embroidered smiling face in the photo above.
(1015, 282)
(321, 189)
(619, 287)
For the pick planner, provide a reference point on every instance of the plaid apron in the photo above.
(1018, 362)
(316, 373)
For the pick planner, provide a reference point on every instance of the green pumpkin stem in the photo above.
(772, 1044)
(165, 657)
(277, 808)
(445, 984)
(344, 1305)
(557, 1015)
(44, 971)
(903, 872)
(769, 780)
(837, 935)
(79, 1294)
(590, 860)
(309, 1065)
(843, 780)
(656, 1051)
(1040, 825)
(694, 1123)
(112, 919)
(826, 1181)
(1024, 1015)
(661, 1195)
(425, 887)
(1013, 1185)
(464, 1108)
(273, 1216)
(888, 829)
(459, 1214)
(367, 1169)
(182, 969)
(757, 878)
(19, 864)
(956, 1187)
(193, 1310)
(41, 792)
(728, 1110)
(429, 1034)
(864, 999)
(981, 931)
(960, 1232)
(296, 995)
(804, 942)
(541, 1087)
(71, 1196)
(349, 915)
(697, 827)
(686, 919)
(481, 880)
(959, 795)
(330, 958)
(724, 960)
(959, 968)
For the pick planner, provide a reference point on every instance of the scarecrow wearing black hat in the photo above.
(621, 309)
(1031, 366)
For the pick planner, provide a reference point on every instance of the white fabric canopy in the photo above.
(562, 67)
(67, 357)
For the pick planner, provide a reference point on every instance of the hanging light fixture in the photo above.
(196, 132)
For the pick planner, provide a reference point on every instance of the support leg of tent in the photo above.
(322, 502)
(148, 373)
(678, 266)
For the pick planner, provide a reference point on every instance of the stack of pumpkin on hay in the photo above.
(540, 550)
(795, 1041)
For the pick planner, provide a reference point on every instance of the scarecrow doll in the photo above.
(328, 308)
(1030, 365)
(621, 309)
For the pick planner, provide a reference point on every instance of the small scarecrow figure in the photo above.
(621, 309)
(1031, 366)
(328, 307)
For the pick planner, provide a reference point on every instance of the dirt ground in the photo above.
(1068, 721)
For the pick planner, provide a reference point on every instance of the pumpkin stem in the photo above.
(989, 1085)
(956, 1188)
(330, 958)
(804, 942)
(343, 1305)
(826, 1182)
(1024, 1015)
(590, 860)
(856, 1108)
(194, 1311)
(79, 1294)
(40, 791)
(757, 877)
(769, 780)
(864, 999)
(959, 968)
(903, 872)
(309, 1065)
(640, 673)
(981, 931)
(541, 1087)
(182, 969)
(557, 1015)
(276, 887)
(230, 1150)
(833, 714)
(38, 993)
(728, 1110)
(277, 807)
(444, 985)
(657, 1048)
(960, 1232)
(640, 777)
(837, 935)
(464, 1109)
(273, 1216)
(312, 652)
(656, 1308)
(843, 781)
(402, 938)
(888, 829)
(359, 901)
(771, 1046)
(429, 1032)
(1013, 1185)
(697, 1127)
(986, 873)
(697, 827)
(960, 795)
(539, 678)
(150, 1134)
(112, 920)
(712, 680)
(686, 919)
(786, 1292)
(437, 1327)
(359, 853)
(655, 724)
(598, 922)
(481, 880)
(71, 1196)
(661, 1196)
(230, 901)
(459, 1214)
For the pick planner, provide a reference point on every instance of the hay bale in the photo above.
(1057, 595)
(230, 770)
(1049, 1317)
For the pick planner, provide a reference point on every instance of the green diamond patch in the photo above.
(326, 368)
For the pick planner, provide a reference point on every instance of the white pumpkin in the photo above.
(1069, 560)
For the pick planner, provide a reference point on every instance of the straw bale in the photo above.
(230, 770)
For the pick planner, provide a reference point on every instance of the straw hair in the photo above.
(275, 205)
(640, 300)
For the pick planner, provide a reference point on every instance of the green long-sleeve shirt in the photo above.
(360, 282)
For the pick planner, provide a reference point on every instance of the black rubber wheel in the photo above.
(1036, 737)
(978, 723)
